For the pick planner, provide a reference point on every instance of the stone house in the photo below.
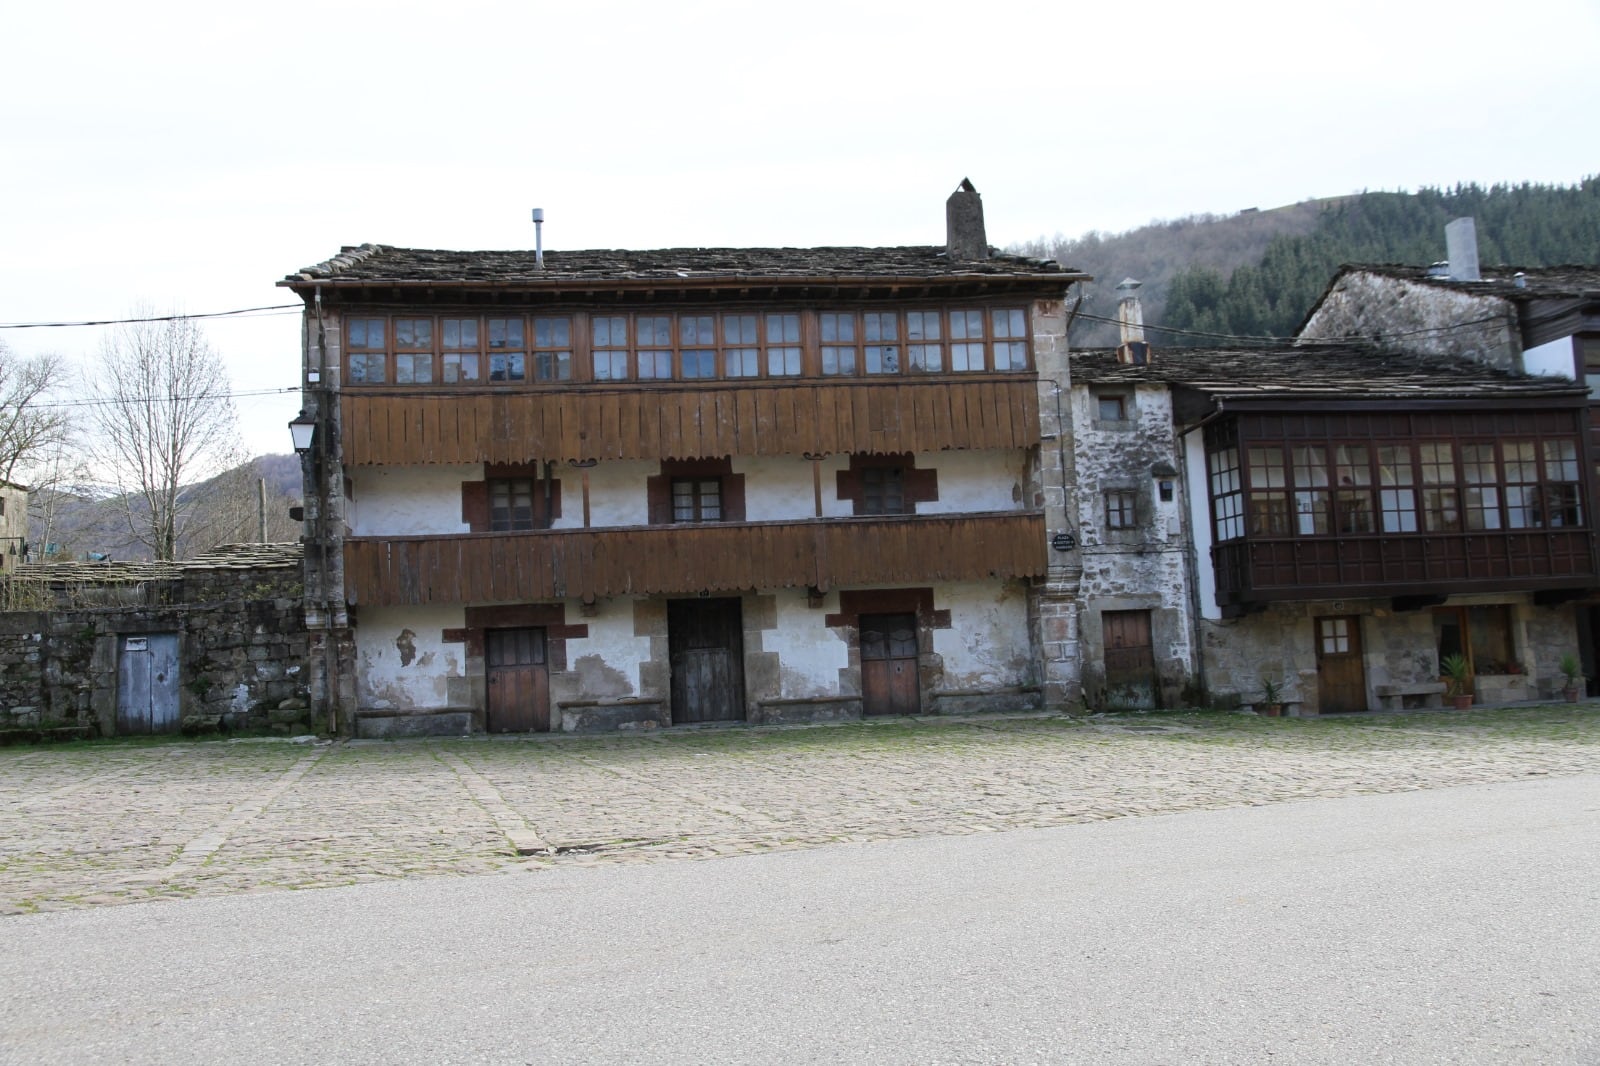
(1533, 320)
(1349, 516)
(133, 648)
(632, 489)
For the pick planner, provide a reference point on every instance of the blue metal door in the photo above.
(147, 684)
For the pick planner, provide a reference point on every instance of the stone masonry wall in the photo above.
(241, 641)
(1418, 317)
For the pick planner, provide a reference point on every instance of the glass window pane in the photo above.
(926, 357)
(783, 362)
(783, 329)
(882, 359)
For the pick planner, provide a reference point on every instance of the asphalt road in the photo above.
(1449, 926)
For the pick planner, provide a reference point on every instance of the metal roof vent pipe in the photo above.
(538, 237)
(1133, 350)
(1461, 247)
(963, 221)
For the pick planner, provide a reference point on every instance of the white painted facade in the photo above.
(403, 663)
(1553, 359)
(426, 500)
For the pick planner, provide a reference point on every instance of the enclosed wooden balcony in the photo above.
(679, 421)
(1259, 569)
(686, 559)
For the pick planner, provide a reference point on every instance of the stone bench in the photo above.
(1393, 697)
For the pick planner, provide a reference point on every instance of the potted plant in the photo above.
(1271, 701)
(1572, 670)
(1458, 675)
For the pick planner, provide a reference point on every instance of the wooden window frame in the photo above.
(1347, 486)
(882, 339)
(476, 496)
(659, 496)
(917, 485)
(1121, 510)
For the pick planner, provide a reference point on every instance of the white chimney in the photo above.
(1461, 247)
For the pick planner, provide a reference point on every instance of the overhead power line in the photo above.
(263, 311)
(167, 399)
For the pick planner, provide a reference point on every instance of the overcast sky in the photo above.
(190, 155)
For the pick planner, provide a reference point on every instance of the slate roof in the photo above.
(1539, 282)
(224, 557)
(378, 264)
(1318, 371)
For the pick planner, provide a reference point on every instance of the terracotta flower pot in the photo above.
(1463, 702)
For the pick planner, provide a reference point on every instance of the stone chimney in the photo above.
(1130, 323)
(1461, 247)
(963, 220)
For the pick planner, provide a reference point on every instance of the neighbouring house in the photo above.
(1534, 320)
(1333, 518)
(628, 489)
(130, 648)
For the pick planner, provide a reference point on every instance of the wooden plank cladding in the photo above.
(1258, 570)
(686, 559)
(688, 422)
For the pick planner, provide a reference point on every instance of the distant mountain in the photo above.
(80, 522)
(1153, 255)
(1258, 273)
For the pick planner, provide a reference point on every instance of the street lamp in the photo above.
(302, 429)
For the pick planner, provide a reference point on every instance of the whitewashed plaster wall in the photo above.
(975, 481)
(810, 655)
(1553, 359)
(402, 500)
(617, 495)
(987, 645)
(1194, 468)
(605, 664)
(781, 489)
(401, 661)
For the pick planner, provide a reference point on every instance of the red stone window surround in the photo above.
(853, 603)
(886, 484)
(551, 616)
(730, 493)
(476, 511)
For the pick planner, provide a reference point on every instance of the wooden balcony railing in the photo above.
(406, 427)
(686, 559)
(1259, 569)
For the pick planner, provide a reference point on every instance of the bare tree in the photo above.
(29, 424)
(165, 422)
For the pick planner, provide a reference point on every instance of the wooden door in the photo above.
(889, 664)
(519, 681)
(1130, 659)
(1341, 677)
(705, 643)
(147, 684)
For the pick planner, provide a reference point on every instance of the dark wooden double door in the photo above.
(519, 681)
(889, 664)
(705, 646)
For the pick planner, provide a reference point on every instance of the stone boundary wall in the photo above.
(241, 650)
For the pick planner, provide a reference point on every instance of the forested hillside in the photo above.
(1257, 274)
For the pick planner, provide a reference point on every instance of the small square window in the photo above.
(1111, 408)
(1122, 509)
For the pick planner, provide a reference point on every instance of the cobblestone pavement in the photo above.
(112, 822)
